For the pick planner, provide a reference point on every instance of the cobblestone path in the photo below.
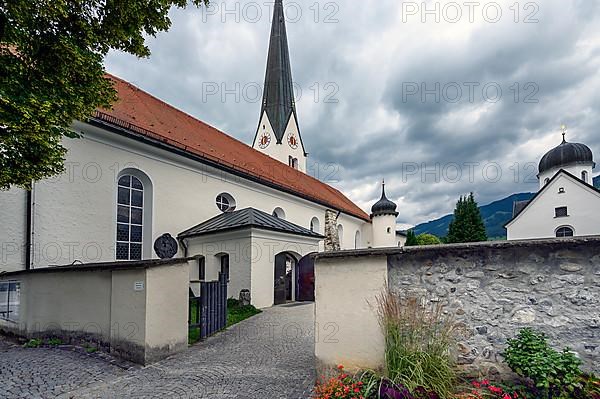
(268, 356)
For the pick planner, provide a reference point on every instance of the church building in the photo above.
(566, 204)
(147, 181)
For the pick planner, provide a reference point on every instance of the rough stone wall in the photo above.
(496, 289)
(332, 239)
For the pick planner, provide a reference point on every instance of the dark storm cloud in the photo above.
(352, 64)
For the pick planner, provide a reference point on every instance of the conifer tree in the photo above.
(411, 239)
(467, 225)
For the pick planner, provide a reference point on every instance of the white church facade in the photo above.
(146, 179)
(566, 204)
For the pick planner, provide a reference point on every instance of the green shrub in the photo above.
(427, 239)
(54, 342)
(418, 342)
(33, 343)
(555, 374)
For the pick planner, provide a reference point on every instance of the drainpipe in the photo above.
(184, 246)
(29, 229)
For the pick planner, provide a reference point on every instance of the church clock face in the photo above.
(264, 140)
(292, 140)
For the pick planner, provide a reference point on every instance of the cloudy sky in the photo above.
(439, 100)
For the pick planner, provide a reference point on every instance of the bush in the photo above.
(554, 374)
(418, 340)
(428, 239)
(54, 342)
(33, 343)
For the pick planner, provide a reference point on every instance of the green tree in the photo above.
(411, 239)
(52, 73)
(467, 225)
(428, 239)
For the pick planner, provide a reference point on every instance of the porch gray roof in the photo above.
(245, 218)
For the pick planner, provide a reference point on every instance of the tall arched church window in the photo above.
(340, 230)
(130, 218)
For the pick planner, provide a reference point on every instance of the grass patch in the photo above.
(237, 313)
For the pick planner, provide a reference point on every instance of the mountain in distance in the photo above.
(494, 215)
(597, 181)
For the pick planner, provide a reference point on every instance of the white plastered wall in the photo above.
(346, 326)
(13, 229)
(538, 219)
(283, 151)
(75, 213)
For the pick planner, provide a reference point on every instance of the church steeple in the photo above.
(278, 95)
(278, 134)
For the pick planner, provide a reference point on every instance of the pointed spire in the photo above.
(564, 133)
(278, 95)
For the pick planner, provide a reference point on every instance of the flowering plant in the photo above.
(342, 386)
(484, 389)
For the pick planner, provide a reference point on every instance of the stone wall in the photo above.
(332, 239)
(497, 289)
(493, 289)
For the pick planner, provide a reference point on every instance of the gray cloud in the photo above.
(369, 54)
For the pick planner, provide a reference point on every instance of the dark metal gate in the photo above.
(305, 291)
(208, 312)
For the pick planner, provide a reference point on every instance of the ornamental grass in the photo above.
(419, 338)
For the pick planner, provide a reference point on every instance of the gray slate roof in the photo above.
(278, 97)
(566, 154)
(246, 218)
(518, 206)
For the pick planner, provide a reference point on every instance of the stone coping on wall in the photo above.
(446, 247)
(103, 266)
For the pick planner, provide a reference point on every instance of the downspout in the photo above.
(184, 246)
(29, 228)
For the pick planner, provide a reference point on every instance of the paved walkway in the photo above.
(267, 356)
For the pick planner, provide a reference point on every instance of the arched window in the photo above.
(357, 240)
(315, 225)
(584, 176)
(547, 180)
(564, 231)
(340, 230)
(134, 215)
(224, 262)
(225, 202)
(279, 213)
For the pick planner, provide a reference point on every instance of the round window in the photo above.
(225, 202)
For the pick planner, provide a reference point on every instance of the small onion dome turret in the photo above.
(566, 154)
(384, 206)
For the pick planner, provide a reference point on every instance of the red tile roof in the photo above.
(143, 114)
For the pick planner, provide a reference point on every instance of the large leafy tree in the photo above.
(467, 225)
(51, 72)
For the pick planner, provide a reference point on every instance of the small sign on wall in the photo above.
(138, 286)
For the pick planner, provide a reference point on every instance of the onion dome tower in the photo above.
(575, 158)
(383, 219)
